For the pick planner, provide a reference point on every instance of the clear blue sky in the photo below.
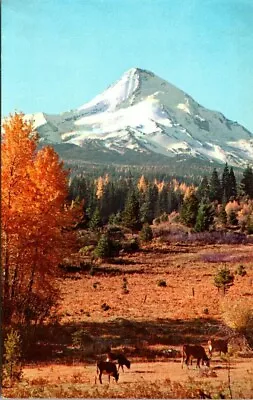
(58, 54)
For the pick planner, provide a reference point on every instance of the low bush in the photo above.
(221, 257)
(162, 283)
(241, 271)
(86, 250)
(238, 314)
(115, 232)
(12, 367)
(131, 245)
(165, 389)
(105, 307)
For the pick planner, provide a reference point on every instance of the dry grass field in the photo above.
(145, 320)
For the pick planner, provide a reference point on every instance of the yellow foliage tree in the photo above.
(142, 184)
(34, 218)
(100, 187)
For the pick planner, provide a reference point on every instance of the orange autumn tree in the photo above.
(35, 221)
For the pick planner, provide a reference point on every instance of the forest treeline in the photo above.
(131, 201)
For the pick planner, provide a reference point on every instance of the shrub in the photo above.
(146, 234)
(86, 250)
(12, 367)
(131, 246)
(238, 315)
(157, 221)
(224, 279)
(115, 232)
(162, 283)
(105, 307)
(241, 270)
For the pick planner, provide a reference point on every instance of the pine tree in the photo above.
(203, 189)
(147, 209)
(146, 234)
(163, 200)
(131, 213)
(104, 247)
(226, 188)
(205, 217)
(96, 221)
(246, 185)
(232, 183)
(189, 209)
(215, 187)
(223, 215)
(224, 279)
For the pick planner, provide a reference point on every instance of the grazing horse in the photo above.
(197, 352)
(107, 368)
(119, 358)
(220, 345)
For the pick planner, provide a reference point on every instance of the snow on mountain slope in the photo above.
(144, 113)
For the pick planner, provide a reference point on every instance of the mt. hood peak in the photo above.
(145, 114)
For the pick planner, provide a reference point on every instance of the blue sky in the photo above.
(58, 54)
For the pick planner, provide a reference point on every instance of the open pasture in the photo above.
(144, 320)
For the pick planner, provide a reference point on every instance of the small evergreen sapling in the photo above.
(224, 279)
(146, 234)
(104, 247)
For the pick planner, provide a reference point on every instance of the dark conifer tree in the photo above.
(215, 187)
(232, 183)
(104, 247)
(96, 220)
(203, 191)
(226, 189)
(223, 215)
(189, 210)
(147, 205)
(246, 186)
(131, 213)
(163, 201)
(205, 217)
(153, 194)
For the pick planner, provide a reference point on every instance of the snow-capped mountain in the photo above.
(144, 113)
